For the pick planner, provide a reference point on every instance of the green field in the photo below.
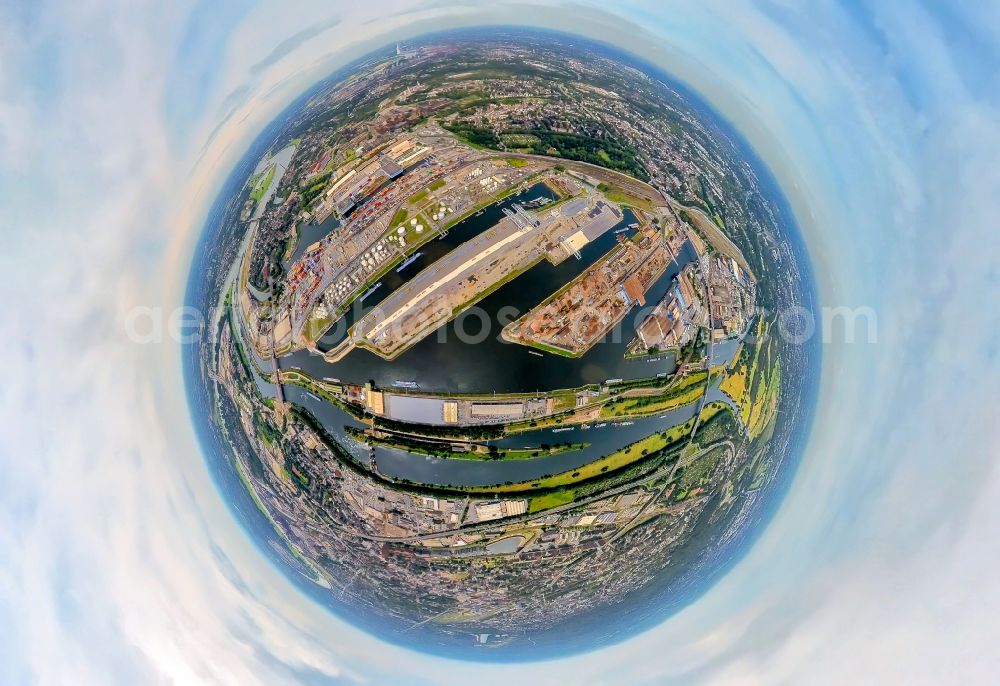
(401, 216)
(622, 197)
(653, 404)
(420, 446)
(550, 500)
(261, 188)
(610, 463)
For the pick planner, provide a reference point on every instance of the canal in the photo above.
(309, 234)
(428, 254)
(469, 356)
(425, 469)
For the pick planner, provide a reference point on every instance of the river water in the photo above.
(428, 254)
(309, 234)
(468, 355)
(459, 472)
(477, 362)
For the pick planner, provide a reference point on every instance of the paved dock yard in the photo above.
(458, 280)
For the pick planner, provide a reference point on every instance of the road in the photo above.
(708, 299)
(493, 523)
(670, 477)
(715, 235)
(428, 291)
(630, 183)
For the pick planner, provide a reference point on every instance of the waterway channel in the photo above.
(469, 356)
(428, 254)
(474, 362)
(399, 464)
(309, 234)
(462, 472)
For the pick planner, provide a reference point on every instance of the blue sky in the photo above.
(118, 122)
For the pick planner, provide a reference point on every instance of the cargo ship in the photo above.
(370, 291)
(410, 260)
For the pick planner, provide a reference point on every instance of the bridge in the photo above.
(521, 218)
(570, 248)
